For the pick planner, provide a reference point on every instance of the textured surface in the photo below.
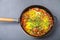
(13, 9)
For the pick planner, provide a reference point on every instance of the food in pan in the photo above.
(36, 21)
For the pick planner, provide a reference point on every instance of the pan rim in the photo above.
(38, 6)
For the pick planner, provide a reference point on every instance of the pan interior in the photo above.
(36, 21)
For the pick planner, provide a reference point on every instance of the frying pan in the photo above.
(26, 9)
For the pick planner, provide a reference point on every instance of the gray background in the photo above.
(13, 9)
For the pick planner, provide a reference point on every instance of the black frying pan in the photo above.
(26, 9)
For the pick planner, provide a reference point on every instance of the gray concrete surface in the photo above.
(13, 9)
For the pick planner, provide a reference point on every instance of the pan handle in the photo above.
(9, 20)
